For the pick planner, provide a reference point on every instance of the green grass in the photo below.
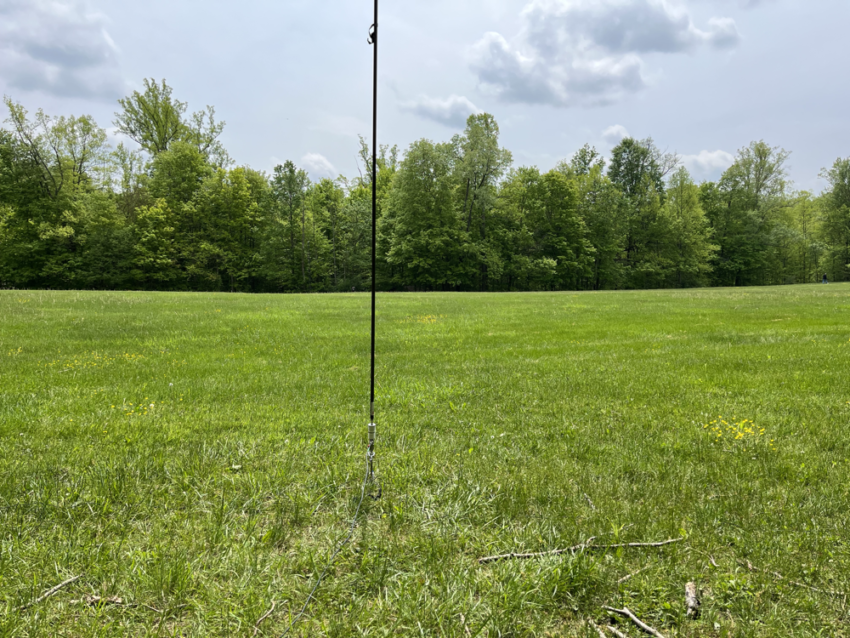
(200, 455)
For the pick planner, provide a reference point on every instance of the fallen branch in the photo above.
(94, 601)
(616, 632)
(556, 552)
(572, 550)
(157, 611)
(596, 627)
(637, 621)
(779, 576)
(263, 617)
(50, 592)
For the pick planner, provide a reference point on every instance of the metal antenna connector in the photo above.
(370, 459)
(373, 434)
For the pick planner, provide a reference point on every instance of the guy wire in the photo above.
(339, 548)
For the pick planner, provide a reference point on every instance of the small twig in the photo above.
(632, 575)
(713, 564)
(616, 632)
(779, 576)
(116, 601)
(572, 550)
(94, 601)
(589, 502)
(263, 617)
(557, 552)
(50, 592)
(597, 629)
(637, 621)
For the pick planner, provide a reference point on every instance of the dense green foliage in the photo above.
(177, 215)
(199, 455)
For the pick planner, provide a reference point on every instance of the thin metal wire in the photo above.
(339, 548)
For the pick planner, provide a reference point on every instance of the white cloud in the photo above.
(615, 134)
(723, 33)
(587, 52)
(452, 111)
(59, 47)
(708, 164)
(318, 166)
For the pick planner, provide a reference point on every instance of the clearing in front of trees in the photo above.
(194, 458)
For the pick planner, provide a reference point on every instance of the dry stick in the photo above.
(592, 506)
(116, 601)
(50, 592)
(779, 576)
(94, 601)
(263, 617)
(557, 552)
(155, 610)
(573, 550)
(596, 627)
(713, 564)
(628, 614)
(616, 632)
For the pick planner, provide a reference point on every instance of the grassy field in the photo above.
(199, 456)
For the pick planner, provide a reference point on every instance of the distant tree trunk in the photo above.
(303, 245)
(466, 201)
(333, 232)
(292, 236)
(313, 235)
(484, 271)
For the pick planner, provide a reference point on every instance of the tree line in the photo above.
(175, 213)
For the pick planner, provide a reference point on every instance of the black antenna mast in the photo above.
(373, 427)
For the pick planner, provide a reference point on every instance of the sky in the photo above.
(292, 78)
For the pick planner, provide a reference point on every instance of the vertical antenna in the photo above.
(373, 40)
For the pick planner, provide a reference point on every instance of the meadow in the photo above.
(195, 458)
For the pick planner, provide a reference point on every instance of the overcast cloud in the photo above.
(708, 164)
(318, 166)
(615, 134)
(293, 80)
(588, 52)
(452, 111)
(62, 47)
